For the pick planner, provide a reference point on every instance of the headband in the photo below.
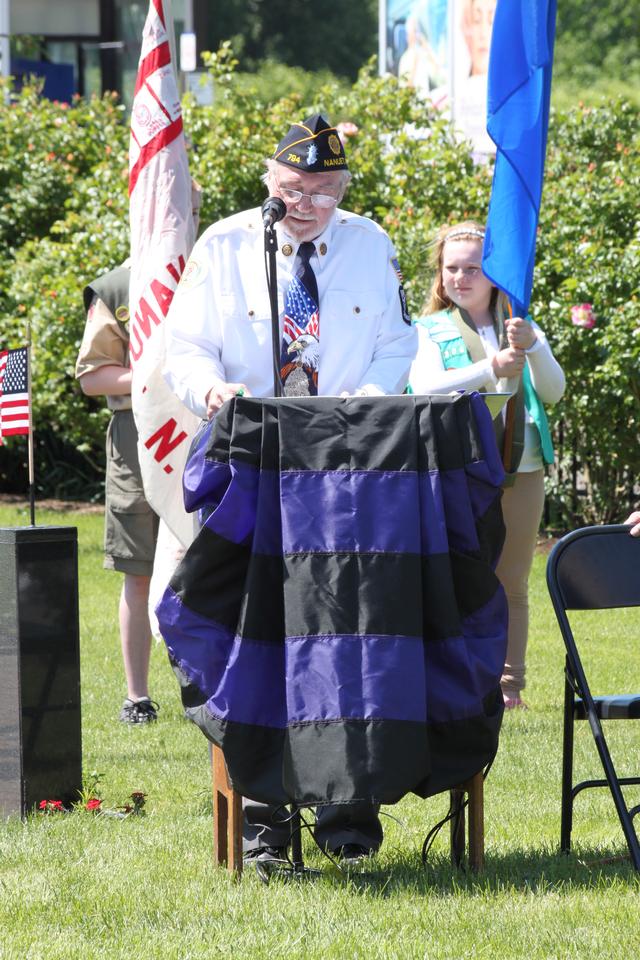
(471, 232)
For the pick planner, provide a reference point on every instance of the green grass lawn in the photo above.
(83, 886)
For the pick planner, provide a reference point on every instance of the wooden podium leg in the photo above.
(227, 816)
(474, 789)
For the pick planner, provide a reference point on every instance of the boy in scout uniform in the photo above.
(131, 526)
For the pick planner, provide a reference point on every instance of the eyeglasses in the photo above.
(317, 199)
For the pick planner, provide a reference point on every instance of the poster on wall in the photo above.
(441, 47)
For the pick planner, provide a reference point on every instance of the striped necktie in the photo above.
(300, 352)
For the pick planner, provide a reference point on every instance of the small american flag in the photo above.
(14, 392)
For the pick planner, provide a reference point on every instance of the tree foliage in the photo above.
(592, 40)
(334, 35)
(597, 52)
(597, 39)
(588, 251)
(63, 220)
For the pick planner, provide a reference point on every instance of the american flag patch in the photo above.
(396, 267)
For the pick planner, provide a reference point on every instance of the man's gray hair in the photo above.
(273, 165)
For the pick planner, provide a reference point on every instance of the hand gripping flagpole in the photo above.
(509, 426)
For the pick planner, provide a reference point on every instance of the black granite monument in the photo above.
(40, 730)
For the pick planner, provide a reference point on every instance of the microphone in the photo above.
(273, 209)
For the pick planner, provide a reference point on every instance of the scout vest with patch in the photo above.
(113, 289)
(460, 345)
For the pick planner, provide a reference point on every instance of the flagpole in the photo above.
(509, 422)
(32, 485)
(518, 97)
(161, 237)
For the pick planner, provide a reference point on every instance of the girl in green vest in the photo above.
(467, 341)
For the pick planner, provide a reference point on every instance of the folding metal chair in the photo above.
(594, 568)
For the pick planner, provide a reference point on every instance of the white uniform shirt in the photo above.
(219, 323)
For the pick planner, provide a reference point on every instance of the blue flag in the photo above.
(519, 87)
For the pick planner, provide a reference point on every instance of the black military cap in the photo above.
(312, 146)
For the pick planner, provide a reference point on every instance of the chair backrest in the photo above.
(595, 568)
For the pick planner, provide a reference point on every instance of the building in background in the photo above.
(86, 46)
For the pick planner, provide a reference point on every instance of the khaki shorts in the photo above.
(131, 526)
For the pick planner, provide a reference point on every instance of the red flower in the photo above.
(93, 804)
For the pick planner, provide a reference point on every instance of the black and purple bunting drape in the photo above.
(336, 626)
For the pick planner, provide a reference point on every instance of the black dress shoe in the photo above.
(352, 854)
(265, 855)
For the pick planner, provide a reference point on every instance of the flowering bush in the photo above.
(63, 220)
(588, 254)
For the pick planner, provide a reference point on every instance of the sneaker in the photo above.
(139, 711)
(352, 854)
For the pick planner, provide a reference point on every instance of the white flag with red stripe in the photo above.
(162, 234)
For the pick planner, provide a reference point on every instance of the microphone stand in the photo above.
(297, 868)
(270, 249)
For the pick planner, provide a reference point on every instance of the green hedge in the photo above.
(63, 220)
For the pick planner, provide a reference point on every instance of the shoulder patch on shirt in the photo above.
(193, 274)
(403, 306)
(396, 267)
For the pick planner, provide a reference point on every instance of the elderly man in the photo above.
(344, 330)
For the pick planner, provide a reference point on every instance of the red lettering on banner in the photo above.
(144, 316)
(141, 328)
(135, 344)
(163, 296)
(176, 274)
(166, 441)
(141, 321)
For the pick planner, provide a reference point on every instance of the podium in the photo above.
(336, 626)
(40, 729)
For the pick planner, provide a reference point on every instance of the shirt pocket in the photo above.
(246, 324)
(350, 321)
(353, 308)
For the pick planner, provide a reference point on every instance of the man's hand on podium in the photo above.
(221, 392)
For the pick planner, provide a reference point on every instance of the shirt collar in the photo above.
(321, 243)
